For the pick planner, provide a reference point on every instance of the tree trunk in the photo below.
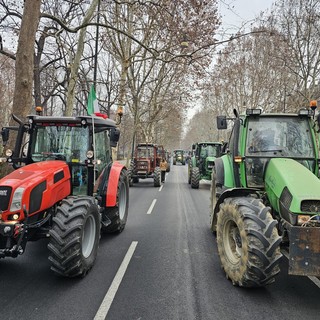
(22, 99)
(76, 62)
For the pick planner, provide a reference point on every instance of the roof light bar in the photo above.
(253, 112)
(306, 112)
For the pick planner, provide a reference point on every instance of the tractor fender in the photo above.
(219, 169)
(233, 193)
(224, 172)
(113, 181)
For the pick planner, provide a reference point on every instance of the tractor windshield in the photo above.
(210, 151)
(269, 137)
(144, 152)
(65, 143)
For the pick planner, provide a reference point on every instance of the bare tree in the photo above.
(22, 99)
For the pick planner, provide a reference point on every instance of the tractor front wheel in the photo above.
(195, 178)
(157, 177)
(248, 242)
(74, 237)
(119, 213)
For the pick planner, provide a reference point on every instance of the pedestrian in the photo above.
(163, 168)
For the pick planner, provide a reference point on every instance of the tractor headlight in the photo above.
(9, 152)
(89, 154)
(17, 199)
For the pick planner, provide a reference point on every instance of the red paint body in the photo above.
(32, 175)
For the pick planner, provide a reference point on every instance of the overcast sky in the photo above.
(235, 13)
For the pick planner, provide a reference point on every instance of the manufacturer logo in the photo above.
(3, 193)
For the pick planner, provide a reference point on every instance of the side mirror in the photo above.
(221, 122)
(114, 137)
(5, 136)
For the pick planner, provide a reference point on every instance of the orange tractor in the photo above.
(65, 187)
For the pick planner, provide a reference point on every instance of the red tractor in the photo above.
(65, 187)
(146, 163)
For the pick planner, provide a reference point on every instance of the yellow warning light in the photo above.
(120, 111)
(313, 103)
(238, 159)
(38, 109)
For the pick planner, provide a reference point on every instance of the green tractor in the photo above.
(265, 197)
(178, 156)
(202, 162)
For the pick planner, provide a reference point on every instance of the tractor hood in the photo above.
(210, 162)
(37, 186)
(292, 188)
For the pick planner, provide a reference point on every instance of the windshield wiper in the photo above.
(262, 151)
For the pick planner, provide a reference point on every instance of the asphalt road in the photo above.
(164, 265)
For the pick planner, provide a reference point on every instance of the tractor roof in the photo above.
(146, 145)
(210, 143)
(51, 120)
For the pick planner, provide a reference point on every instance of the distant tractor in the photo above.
(178, 157)
(65, 187)
(201, 163)
(265, 197)
(146, 163)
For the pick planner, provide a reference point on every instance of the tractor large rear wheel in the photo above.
(119, 213)
(195, 178)
(129, 175)
(248, 242)
(74, 237)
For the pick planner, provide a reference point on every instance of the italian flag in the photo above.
(92, 106)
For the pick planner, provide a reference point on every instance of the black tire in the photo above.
(174, 162)
(130, 179)
(168, 168)
(135, 180)
(248, 242)
(74, 236)
(157, 177)
(189, 175)
(119, 213)
(195, 178)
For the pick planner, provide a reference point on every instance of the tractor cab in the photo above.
(82, 142)
(276, 137)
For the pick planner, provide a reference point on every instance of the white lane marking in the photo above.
(315, 280)
(152, 205)
(161, 188)
(107, 301)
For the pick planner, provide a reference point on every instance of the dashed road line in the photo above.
(151, 206)
(108, 299)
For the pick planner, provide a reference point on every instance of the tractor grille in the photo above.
(142, 165)
(5, 194)
(286, 198)
(310, 206)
